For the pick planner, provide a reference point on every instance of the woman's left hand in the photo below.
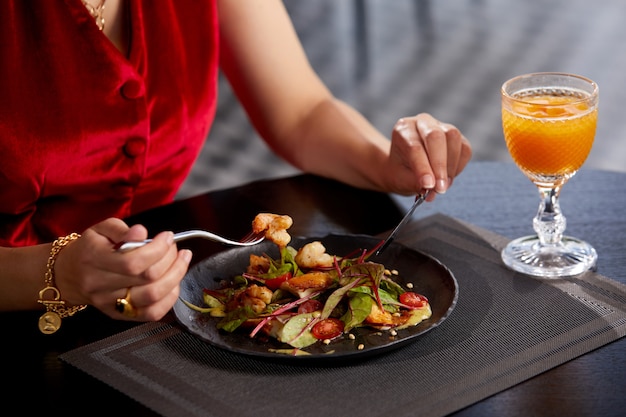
(425, 154)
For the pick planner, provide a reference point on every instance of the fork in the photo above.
(249, 239)
(418, 200)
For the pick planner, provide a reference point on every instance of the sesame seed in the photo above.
(361, 346)
(409, 285)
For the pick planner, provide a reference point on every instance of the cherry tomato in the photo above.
(310, 306)
(413, 299)
(327, 329)
(274, 283)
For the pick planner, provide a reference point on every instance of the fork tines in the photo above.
(251, 236)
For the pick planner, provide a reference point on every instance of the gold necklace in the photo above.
(96, 12)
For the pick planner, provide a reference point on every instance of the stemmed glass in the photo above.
(549, 124)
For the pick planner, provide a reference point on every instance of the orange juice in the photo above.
(549, 135)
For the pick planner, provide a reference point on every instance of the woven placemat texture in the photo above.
(506, 328)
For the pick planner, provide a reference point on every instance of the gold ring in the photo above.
(124, 306)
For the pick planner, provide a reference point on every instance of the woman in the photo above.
(106, 106)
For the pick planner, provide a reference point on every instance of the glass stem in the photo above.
(549, 222)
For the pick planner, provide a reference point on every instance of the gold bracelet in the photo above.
(50, 321)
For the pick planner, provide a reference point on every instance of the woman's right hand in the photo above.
(90, 271)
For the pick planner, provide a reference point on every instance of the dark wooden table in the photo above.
(492, 195)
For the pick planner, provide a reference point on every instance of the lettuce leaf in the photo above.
(359, 307)
(297, 331)
(235, 318)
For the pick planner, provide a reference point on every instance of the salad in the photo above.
(307, 296)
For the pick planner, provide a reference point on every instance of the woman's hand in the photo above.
(90, 271)
(314, 131)
(425, 154)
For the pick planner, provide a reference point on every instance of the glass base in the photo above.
(570, 257)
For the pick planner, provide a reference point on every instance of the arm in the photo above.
(22, 276)
(305, 124)
(89, 271)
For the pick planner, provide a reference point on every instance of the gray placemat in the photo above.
(505, 329)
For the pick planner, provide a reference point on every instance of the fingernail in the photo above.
(428, 181)
(170, 238)
(442, 186)
(187, 255)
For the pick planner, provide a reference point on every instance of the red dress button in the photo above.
(134, 147)
(132, 89)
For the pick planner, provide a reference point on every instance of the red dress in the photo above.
(87, 133)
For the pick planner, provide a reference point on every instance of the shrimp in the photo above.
(313, 255)
(258, 264)
(255, 297)
(262, 293)
(275, 227)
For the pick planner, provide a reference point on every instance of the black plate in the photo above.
(428, 276)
